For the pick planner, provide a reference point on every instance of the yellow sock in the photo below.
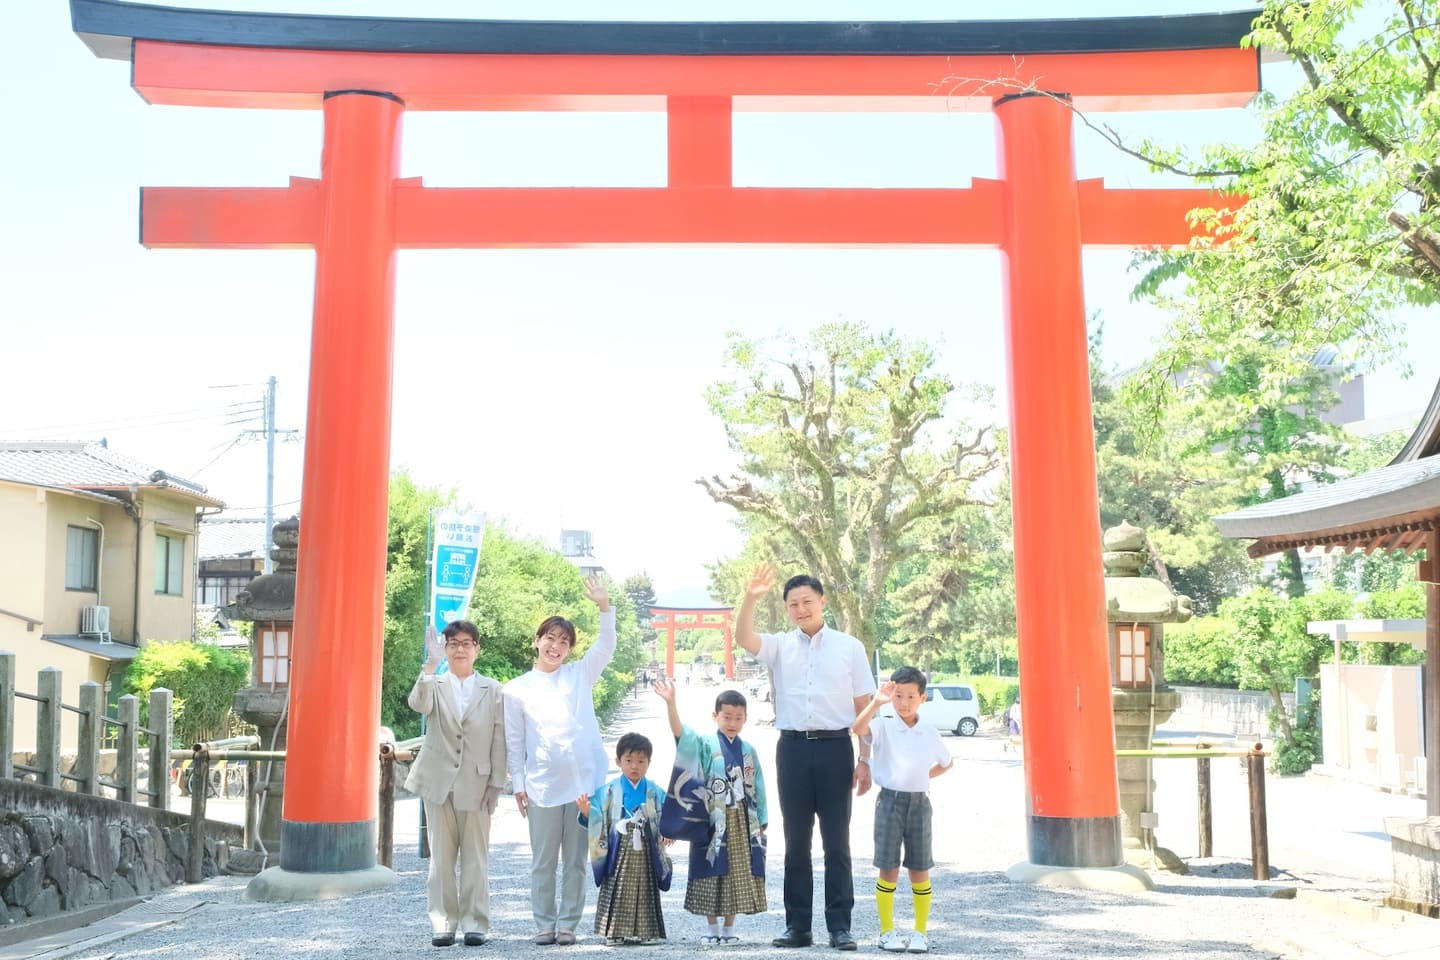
(885, 903)
(922, 906)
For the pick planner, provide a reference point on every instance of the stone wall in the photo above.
(63, 851)
(1415, 855)
(1240, 713)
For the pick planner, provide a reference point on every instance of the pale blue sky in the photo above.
(552, 387)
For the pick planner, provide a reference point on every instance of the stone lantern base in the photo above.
(1133, 719)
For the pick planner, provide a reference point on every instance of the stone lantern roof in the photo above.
(1129, 597)
(271, 597)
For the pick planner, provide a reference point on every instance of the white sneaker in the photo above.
(917, 943)
(892, 941)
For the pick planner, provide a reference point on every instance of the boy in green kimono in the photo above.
(716, 800)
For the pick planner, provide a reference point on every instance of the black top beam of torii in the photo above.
(109, 28)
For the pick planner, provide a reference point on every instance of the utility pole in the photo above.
(269, 471)
(269, 432)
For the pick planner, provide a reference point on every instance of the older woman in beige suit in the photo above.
(458, 776)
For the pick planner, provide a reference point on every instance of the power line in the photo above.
(141, 421)
(261, 506)
(227, 448)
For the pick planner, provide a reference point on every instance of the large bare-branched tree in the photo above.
(845, 449)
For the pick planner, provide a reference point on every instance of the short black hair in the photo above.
(731, 698)
(634, 743)
(909, 675)
(456, 627)
(565, 627)
(802, 580)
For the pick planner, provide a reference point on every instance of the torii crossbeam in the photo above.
(364, 73)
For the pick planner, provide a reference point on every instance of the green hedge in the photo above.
(204, 679)
(1201, 653)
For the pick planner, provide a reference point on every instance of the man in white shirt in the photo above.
(556, 757)
(458, 777)
(822, 681)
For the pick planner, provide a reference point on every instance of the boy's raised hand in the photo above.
(762, 581)
(665, 689)
(595, 590)
(886, 693)
(583, 802)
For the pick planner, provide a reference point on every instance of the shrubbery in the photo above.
(995, 693)
(204, 679)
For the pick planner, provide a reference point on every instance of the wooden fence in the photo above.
(50, 712)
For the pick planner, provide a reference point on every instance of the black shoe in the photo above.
(443, 940)
(474, 939)
(794, 938)
(841, 940)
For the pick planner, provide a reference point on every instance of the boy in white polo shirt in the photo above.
(907, 756)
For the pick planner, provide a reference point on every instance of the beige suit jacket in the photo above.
(461, 755)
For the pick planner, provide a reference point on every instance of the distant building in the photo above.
(576, 547)
(231, 554)
(98, 555)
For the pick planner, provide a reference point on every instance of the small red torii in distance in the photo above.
(671, 619)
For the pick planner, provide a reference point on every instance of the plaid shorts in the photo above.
(902, 818)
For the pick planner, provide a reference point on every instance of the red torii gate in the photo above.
(669, 620)
(364, 73)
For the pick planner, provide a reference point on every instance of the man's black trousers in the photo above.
(814, 777)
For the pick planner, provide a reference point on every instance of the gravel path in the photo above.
(978, 834)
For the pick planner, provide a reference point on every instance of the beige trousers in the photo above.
(458, 837)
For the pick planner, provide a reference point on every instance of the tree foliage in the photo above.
(1342, 223)
(844, 452)
(518, 583)
(204, 679)
(1160, 475)
(763, 544)
(406, 598)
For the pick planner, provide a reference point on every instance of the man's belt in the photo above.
(813, 734)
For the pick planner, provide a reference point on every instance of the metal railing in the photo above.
(1202, 752)
(202, 755)
(92, 724)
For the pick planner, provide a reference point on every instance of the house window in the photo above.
(273, 667)
(219, 590)
(1132, 656)
(82, 558)
(169, 564)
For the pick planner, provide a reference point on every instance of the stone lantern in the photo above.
(269, 603)
(1136, 609)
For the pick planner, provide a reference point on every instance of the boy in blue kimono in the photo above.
(622, 820)
(716, 801)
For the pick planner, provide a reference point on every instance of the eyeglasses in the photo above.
(459, 643)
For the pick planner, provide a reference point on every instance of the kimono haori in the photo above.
(625, 855)
(716, 801)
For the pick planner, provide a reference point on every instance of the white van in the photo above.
(951, 707)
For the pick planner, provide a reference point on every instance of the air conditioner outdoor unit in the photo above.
(95, 622)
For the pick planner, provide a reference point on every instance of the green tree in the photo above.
(204, 679)
(1272, 644)
(842, 450)
(1275, 445)
(1342, 223)
(640, 590)
(406, 597)
(728, 577)
(1155, 471)
(1201, 652)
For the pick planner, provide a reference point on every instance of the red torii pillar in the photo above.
(359, 212)
(1070, 767)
